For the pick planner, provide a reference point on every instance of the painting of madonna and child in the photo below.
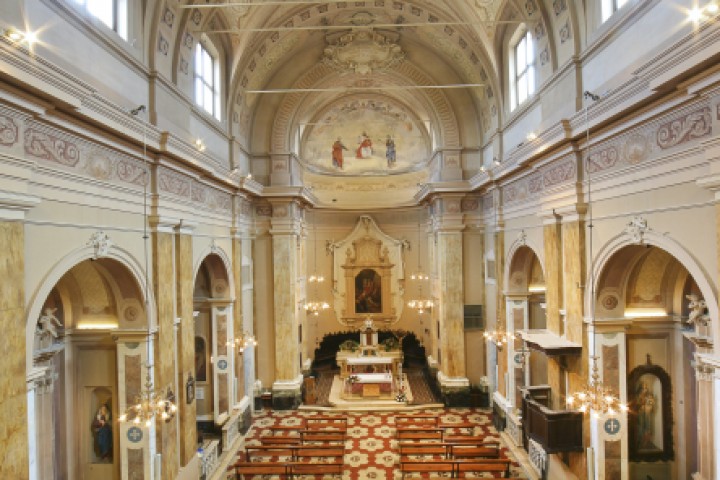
(365, 138)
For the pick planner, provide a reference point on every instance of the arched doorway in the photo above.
(76, 365)
(647, 353)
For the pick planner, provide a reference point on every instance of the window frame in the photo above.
(528, 76)
(608, 8)
(204, 52)
(120, 12)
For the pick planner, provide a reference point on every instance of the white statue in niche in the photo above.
(48, 324)
(698, 310)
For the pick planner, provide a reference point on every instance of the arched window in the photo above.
(207, 79)
(609, 7)
(522, 69)
(113, 13)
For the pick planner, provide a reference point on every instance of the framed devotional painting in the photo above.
(649, 414)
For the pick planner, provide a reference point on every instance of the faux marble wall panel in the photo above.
(165, 357)
(133, 378)
(223, 400)
(613, 462)
(553, 276)
(286, 341)
(13, 397)
(135, 463)
(611, 367)
(451, 302)
(222, 336)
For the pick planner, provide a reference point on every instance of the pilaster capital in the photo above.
(549, 217)
(711, 183)
(14, 206)
(162, 224)
(185, 227)
(572, 213)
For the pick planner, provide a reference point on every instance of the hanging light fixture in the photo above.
(594, 397)
(421, 304)
(315, 307)
(500, 336)
(149, 403)
(243, 341)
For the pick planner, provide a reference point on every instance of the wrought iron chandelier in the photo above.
(594, 396)
(315, 307)
(421, 304)
(243, 341)
(150, 402)
(500, 337)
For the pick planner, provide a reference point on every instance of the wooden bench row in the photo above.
(420, 420)
(450, 450)
(306, 436)
(286, 470)
(296, 453)
(431, 469)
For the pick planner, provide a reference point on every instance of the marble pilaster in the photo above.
(502, 364)
(573, 263)
(13, 398)
(187, 410)
(224, 359)
(553, 301)
(137, 442)
(239, 378)
(288, 377)
(165, 355)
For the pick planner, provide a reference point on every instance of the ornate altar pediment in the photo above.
(368, 275)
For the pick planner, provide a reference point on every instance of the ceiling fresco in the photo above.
(375, 137)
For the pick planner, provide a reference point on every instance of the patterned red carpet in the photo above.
(371, 445)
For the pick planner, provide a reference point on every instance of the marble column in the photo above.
(500, 308)
(14, 458)
(137, 442)
(448, 231)
(187, 411)
(163, 262)
(285, 231)
(573, 262)
(553, 302)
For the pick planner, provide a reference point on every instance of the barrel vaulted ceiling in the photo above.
(301, 75)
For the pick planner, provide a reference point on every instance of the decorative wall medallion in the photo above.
(42, 145)
(522, 238)
(636, 149)
(8, 131)
(470, 204)
(222, 364)
(184, 66)
(99, 166)
(263, 210)
(517, 279)
(134, 435)
(363, 51)
(559, 6)
(163, 45)
(539, 31)
(196, 17)
(544, 57)
(565, 32)
(452, 206)
(220, 288)
(530, 7)
(609, 302)
(168, 17)
(693, 125)
(602, 160)
(636, 229)
(131, 313)
(101, 243)
(612, 426)
(188, 41)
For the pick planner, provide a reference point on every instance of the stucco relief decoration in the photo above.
(565, 32)
(470, 204)
(174, 184)
(130, 172)
(689, 127)
(101, 244)
(99, 166)
(609, 302)
(367, 263)
(636, 149)
(131, 313)
(42, 145)
(362, 135)
(636, 229)
(163, 45)
(699, 315)
(561, 173)
(8, 131)
(602, 160)
(535, 184)
(263, 210)
(363, 51)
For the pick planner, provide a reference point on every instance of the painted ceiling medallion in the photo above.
(363, 51)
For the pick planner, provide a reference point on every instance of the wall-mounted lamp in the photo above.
(17, 36)
(698, 14)
(531, 136)
(200, 145)
(496, 161)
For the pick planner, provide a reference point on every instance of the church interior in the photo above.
(220, 214)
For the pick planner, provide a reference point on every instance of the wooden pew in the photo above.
(295, 453)
(317, 469)
(419, 449)
(479, 450)
(252, 453)
(463, 467)
(280, 440)
(326, 422)
(419, 433)
(419, 419)
(331, 453)
(428, 468)
(324, 436)
(245, 470)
